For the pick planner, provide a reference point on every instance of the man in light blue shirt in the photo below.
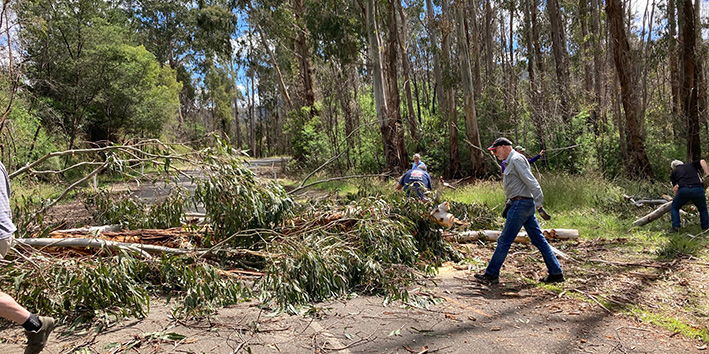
(418, 163)
(524, 196)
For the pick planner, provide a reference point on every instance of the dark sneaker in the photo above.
(554, 278)
(37, 340)
(673, 230)
(487, 279)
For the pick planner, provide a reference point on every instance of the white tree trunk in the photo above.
(492, 235)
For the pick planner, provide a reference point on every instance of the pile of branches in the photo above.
(303, 253)
(81, 289)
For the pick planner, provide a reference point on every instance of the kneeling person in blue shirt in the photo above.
(416, 180)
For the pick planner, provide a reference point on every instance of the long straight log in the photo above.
(92, 243)
(651, 202)
(492, 235)
(639, 203)
(142, 249)
(662, 210)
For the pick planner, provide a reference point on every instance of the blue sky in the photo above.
(639, 7)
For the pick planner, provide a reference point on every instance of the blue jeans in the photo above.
(695, 195)
(521, 213)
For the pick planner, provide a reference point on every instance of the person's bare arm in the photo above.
(675, 189)
(703, 163)
(398, 186)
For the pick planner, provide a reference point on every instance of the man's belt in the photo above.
(692, 186)
(519, 197)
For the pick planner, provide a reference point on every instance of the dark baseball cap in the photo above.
(500, 142)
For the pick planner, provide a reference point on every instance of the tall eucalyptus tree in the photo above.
(638, 162)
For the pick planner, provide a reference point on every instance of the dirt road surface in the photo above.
(513, 317)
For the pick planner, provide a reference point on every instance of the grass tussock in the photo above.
(561, 192)
(672, 324)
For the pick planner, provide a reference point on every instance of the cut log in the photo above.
(442, 216)
(492, 235)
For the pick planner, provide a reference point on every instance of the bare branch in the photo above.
(484, 152)
(330, 160)
(56, 172)
(71, 187)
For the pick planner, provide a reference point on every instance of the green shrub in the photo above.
(308, 140)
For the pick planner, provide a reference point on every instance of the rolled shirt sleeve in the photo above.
(7, 228)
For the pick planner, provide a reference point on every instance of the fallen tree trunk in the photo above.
(174, 237)
(662, 210)
(142, 249)
(642, 202)
(650, 202)
(492, 235)
(91, 243)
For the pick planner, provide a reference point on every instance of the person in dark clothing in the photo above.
(687, 186)
(416, 180)
(522, 150)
